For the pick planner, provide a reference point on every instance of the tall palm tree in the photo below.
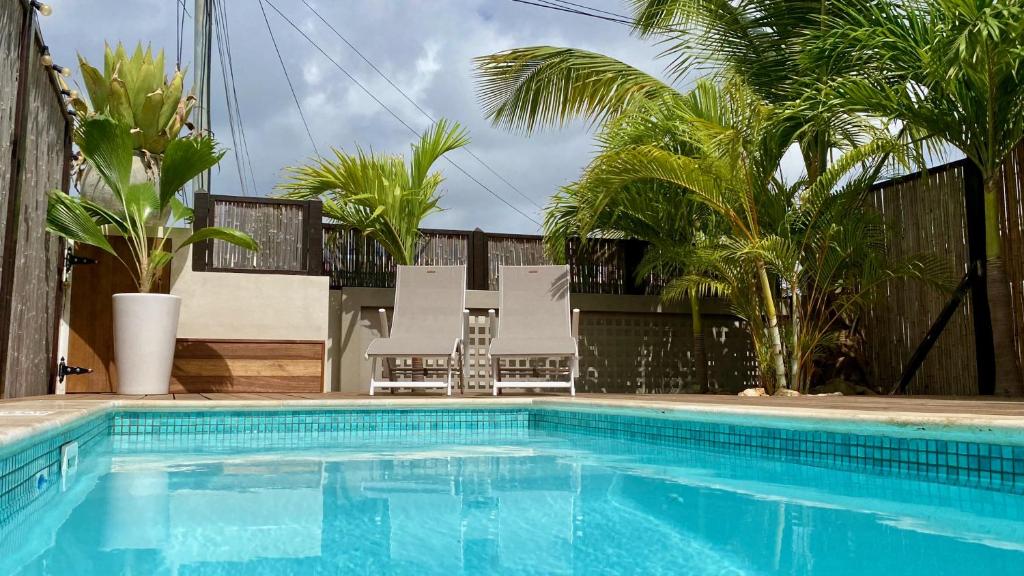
(380, 194)
(954, 70)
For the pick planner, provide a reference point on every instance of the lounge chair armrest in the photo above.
(385, 331)
(492, 323)
(575, 323)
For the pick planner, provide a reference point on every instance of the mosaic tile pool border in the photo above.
(19, 469)
(326, 424)
(980, 465)
(989, 466)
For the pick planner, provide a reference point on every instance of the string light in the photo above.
(47, 61)
(43, 9)
(72, 94)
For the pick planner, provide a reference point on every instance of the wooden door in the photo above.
(91, 343)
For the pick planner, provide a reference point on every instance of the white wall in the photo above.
(226, 305)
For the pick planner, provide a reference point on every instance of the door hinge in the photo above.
(63, 370)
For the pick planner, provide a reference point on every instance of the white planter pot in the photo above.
(145, 328)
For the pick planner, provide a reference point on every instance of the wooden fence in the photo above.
(288, 232)
(35, 152)
(926, 213)
(599, 267)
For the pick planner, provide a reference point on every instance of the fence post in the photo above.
(633, 253)
(974, 215)
(315, 238)
(202, 214)
(478, 272)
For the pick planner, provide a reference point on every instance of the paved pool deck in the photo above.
(24, 417)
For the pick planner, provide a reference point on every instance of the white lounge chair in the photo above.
(429, 322)
(535, 322)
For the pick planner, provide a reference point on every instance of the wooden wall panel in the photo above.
(247, 366)
(91, 342)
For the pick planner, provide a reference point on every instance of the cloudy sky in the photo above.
(424, 46)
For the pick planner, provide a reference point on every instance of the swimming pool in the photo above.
(509, 490)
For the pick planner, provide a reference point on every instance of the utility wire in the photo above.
(414, 103)
(549, 6)
(589, 8)
(240, 145)
(285, 70)
(224, 37)
(179, 29)
(392, 112)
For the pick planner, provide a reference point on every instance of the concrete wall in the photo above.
(223, 305)
(628, 344)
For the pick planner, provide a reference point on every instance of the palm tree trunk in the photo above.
(700, 356)
(1008, 373)
(773, 326)
(795, 360)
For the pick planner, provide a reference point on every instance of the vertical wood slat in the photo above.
(1012, 233)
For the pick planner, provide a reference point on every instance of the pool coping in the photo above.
(32, 418)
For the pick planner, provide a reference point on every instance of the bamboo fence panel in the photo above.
(597, 267)
(1012, 232)
(279, 230)
(512, 251)
(923, 214)
(354, 259)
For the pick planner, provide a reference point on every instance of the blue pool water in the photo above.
(514, 500)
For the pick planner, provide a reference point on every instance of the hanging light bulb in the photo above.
(44, 9)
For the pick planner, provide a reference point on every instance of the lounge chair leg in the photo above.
(373, 373)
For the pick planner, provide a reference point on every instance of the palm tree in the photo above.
(380, 194)
(760, 42)
(817, 239)
(952, 69)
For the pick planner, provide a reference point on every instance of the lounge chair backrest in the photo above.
(534, 302)
(429, 301)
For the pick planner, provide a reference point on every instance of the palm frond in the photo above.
(526, 88)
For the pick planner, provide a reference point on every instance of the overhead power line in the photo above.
(618, 19)
(390, 111)
(414, 103)
(590, 12)
(589, 8)
(240, 147)
(284, 68)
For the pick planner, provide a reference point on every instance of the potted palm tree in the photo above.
(145, 323)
